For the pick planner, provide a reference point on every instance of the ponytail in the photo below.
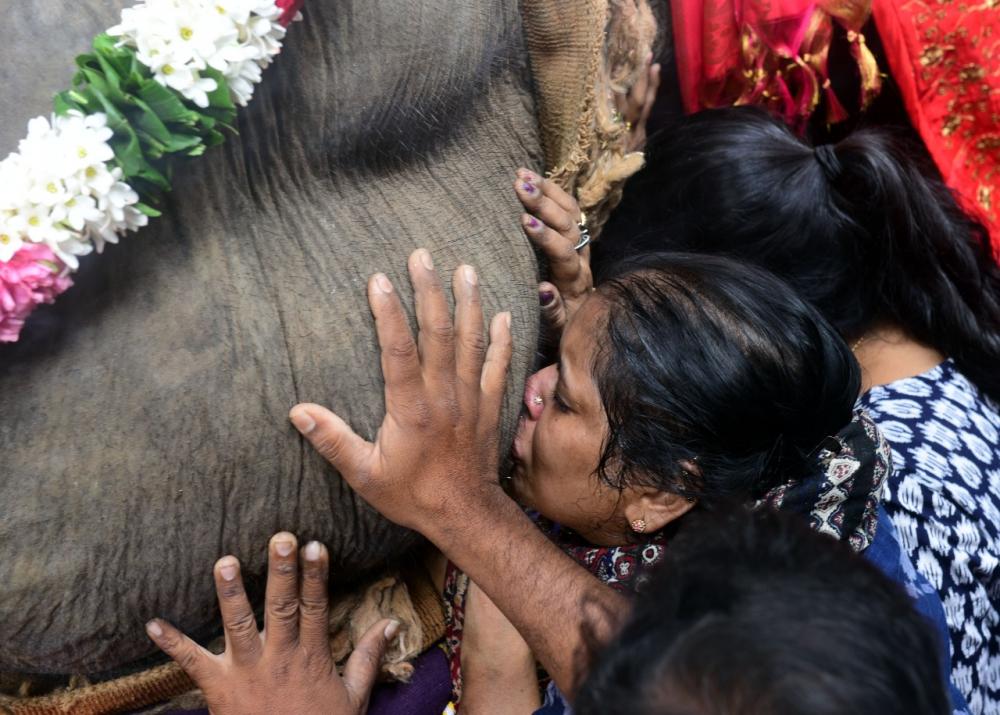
(930, 264)
(859, 229)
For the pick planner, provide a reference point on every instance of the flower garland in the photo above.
(163, 83)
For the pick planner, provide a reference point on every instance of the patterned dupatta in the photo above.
(772, 53)
(841, 498)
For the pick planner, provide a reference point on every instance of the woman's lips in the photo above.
(515, 449)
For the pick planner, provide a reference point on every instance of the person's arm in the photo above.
(499, 675)
(433, 466)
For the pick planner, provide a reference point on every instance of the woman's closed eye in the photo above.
(560, 403)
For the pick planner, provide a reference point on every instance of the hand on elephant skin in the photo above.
(552, 223)
(433, 466)
(443, 394)
(288, 667)
(636, 105)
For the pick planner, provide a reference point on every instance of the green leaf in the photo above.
(220, 98)
(128, 151)
(165, 103)
(153, 176)
(106, 88)
(63, 104)
(84, 100)
(148, 210)
(184, 143)
(215, 138)
(150, 122)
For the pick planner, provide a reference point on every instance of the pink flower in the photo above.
(291, 9)
(32, 276)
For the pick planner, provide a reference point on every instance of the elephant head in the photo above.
(144, 429)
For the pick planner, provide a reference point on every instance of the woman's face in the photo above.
(558, 443)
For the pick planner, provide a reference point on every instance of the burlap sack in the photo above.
(581, 52)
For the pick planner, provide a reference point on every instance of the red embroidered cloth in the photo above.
(768, 52)
(943, 54)
(945, 57)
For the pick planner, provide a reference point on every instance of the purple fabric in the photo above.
(427, 693)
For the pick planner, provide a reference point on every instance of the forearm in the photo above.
(498, 686)
(558, 607)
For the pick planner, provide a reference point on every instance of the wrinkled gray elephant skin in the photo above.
(143, 419)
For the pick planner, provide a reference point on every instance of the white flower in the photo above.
(85, 140)
(68, 250)
(187, 81)
(39, 226)
(98, 179)
(59, 190)
(10, 239)
(179, 39)
(78, 211)
(14, 183)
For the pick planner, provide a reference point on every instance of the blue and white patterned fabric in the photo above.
(887, 554)
(944, 498)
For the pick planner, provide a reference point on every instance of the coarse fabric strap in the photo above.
(581, 52)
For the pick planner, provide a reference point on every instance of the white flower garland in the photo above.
(179, 39)
(58, 189)
(63, 188)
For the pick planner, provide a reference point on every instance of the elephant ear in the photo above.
(579, 56)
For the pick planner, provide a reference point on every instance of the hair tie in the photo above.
(826, 155)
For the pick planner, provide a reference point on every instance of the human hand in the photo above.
(439, 442)
(287, 667)
(553, 225)
(636, 105)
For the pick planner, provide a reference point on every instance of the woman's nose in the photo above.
(538, 387)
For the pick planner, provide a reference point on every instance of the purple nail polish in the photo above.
(530, 188)
(546, 297)
(533, 222)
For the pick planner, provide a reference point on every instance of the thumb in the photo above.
(553, 308)
(335, 440)
(365, 663)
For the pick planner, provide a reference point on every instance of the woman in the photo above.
(887, 255)
(652, 365)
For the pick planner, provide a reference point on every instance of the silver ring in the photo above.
(584, 233)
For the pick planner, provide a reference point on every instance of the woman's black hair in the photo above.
(860, 229)
(757, 615)
(718, 381)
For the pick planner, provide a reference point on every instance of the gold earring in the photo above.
(638, 525)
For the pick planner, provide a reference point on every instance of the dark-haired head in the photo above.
(756, 615)
(859, 229)
(720, 365)
(685, 379)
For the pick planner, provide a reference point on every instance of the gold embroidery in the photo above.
(931, 55)
(985, 196)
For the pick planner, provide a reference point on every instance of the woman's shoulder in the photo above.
(939, 407)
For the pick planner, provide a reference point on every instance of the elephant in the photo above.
(144, 430)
